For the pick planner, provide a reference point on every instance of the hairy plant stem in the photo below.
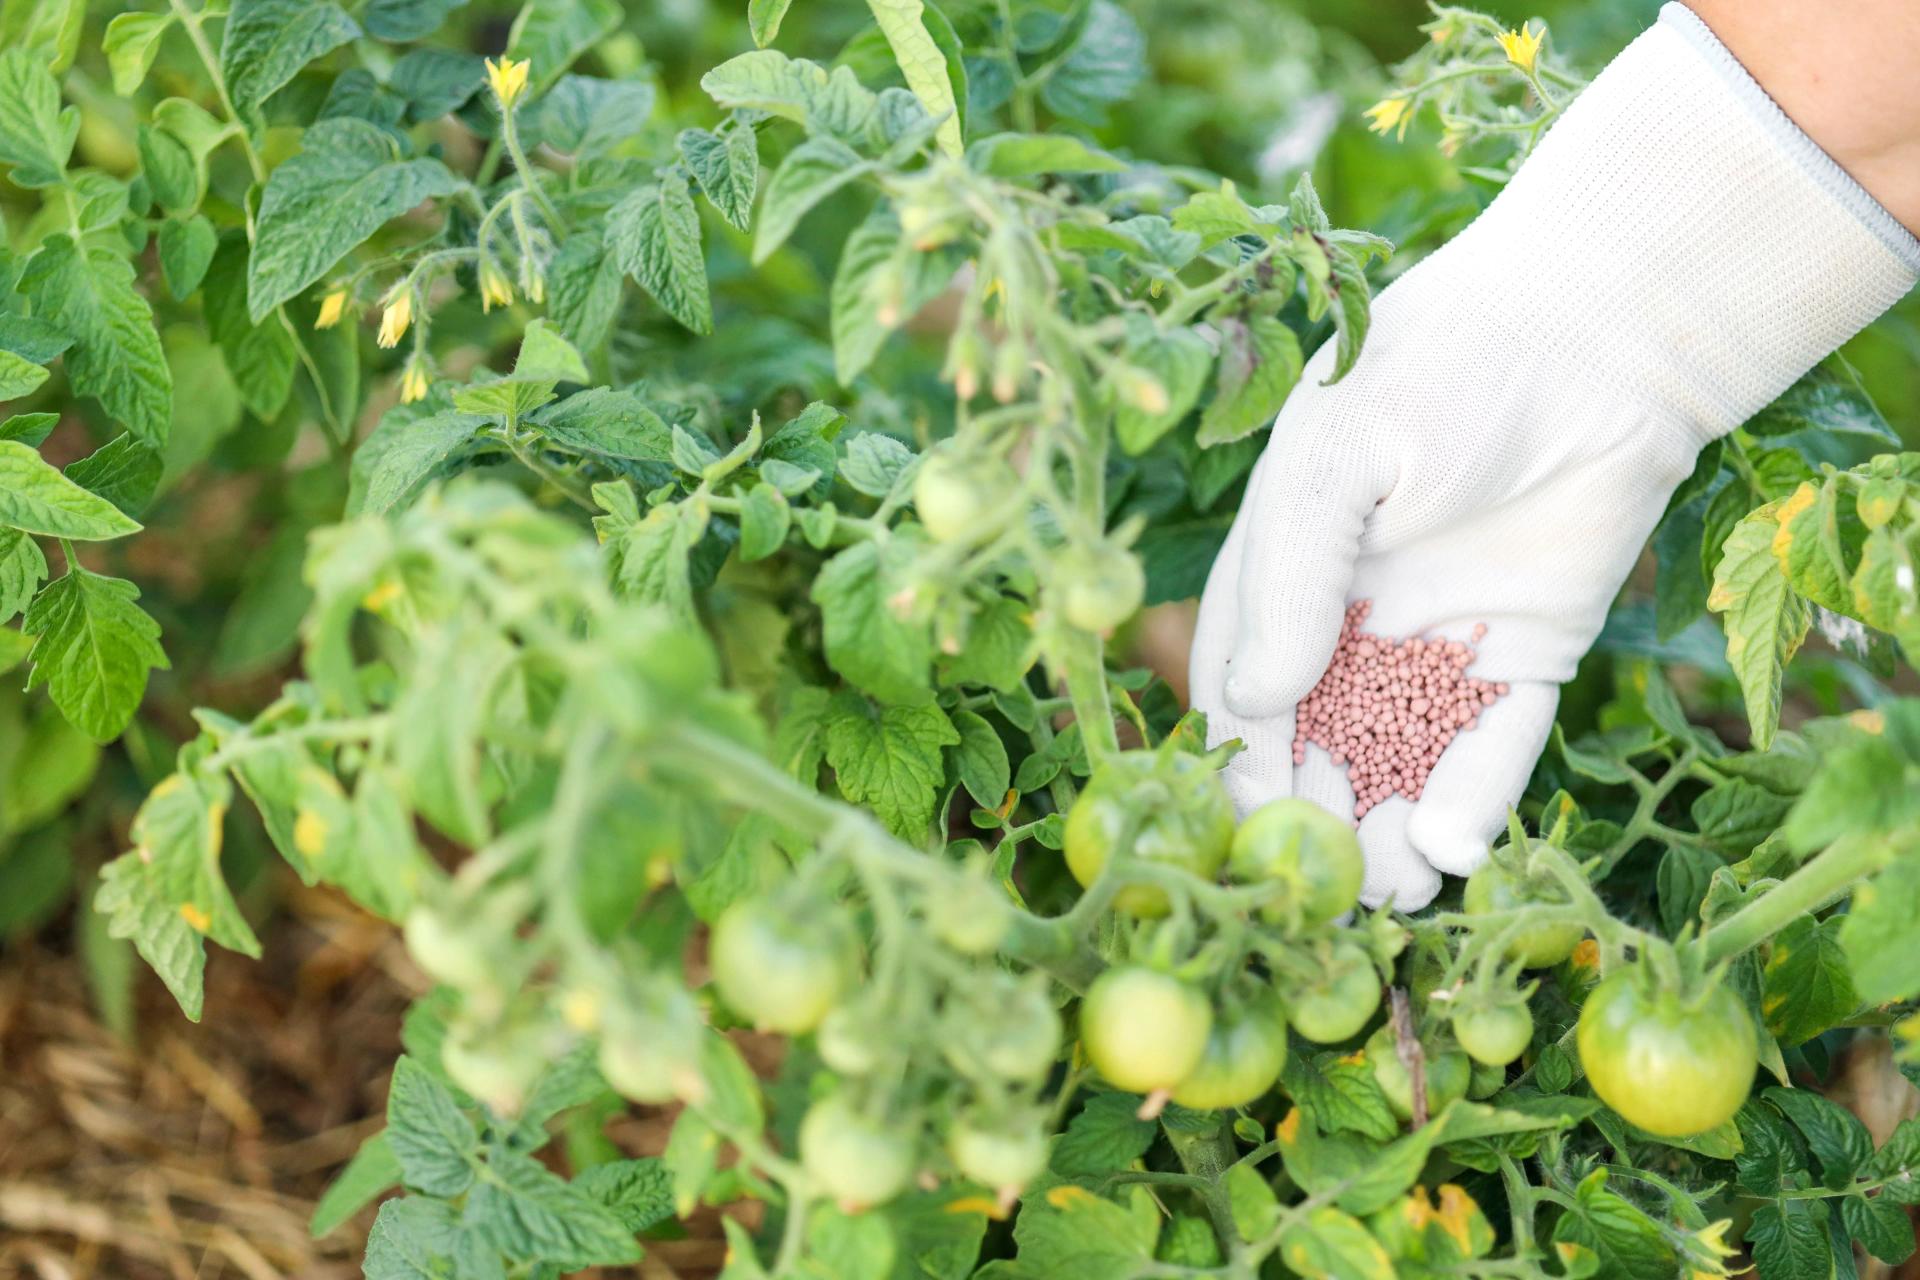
(1822, 881)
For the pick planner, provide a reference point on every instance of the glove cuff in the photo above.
(1677, 237)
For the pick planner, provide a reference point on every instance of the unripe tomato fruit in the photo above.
(1018, 1040)
(1669, 1069)
(1447, 1071)
(857, 1162)
(1494, 1034)
(1336, 1007)
(1245, 1051)
(777, 970)
(636, 1068)
(1182, 818)
(1315, 853)
(445, 952)
(1100, 587)
(997, 1157)
(971, 917)
(952, 492)
(1493, 888)
(846, 1042)
(1143, 1030)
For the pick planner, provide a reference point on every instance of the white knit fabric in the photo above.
(1673, 256)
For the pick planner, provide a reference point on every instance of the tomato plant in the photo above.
(698, 472)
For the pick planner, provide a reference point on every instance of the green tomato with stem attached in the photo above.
(1494, 1034)
(1007, 1030)
(781, 965)
(1179, 812)
(1002, 1156)
(858, 1161)
(953, 492)
(1340, 1000)
(1099, 587)
(1144, 1030)
(1316, 855)
(1670, 1066)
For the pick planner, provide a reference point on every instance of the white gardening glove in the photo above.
(1673, 256)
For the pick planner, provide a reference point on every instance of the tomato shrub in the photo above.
(655, 502)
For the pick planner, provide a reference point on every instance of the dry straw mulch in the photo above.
(198, 1151)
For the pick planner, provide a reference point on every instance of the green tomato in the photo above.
(497, 1067)
(1182, 818)
(1669, 1069)
(1494, 1034)
(1314, 853)
(1339, 1004)
(856, 1161)
(1447, 1071)
(846, 1041)
(970, 916)
(1245, 1051)
(1010, 1032)
(780, 971)
(1003, 1158)
(953, 493)
(1493, 888)
(1143, 1030)
(1100, 587)
(447, 953)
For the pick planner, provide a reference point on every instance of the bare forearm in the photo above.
(1847, 73)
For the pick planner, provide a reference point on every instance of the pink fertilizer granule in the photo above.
(1387, 708)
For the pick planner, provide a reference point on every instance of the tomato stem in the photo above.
(1824, 879)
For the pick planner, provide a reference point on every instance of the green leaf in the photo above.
(1104, 65)
(373, 1171)
(186, 248)
(1026, 155)
(169, 169)
(37, 498)
(880, 282)
(137, 909)
(1765, 621)
(123, 471)
(1628, 1243)
(1327, 1242)
(982, 759)
(997, 651)
(19, 376)
(867, 639)
(1682, 879)
(588, 117)
(888, 758)
(922, 64)
(654, 234)
(416, 1238)
(432, 1140)
(347, 182)
(794, 89)
(1104, 1136)
(1340, 1095)
(1069, 1233)
(1835, 1135)
(402, 453)
(1788, 1240)
(267, 42)
(1259, 363)
(1827, 398)
(131, 43)
(607, 423)
(583, 289)
(116, 356)
(402, 20)
(849, 1246)
(763, 20)
(1809, 985)
(22, 567)
(727, 167)
(1882, 946)
(553, 33)
(434, 80)
(810, 173)
(1737, 815)
(1814, 541)
(260, 356)
(1177, 362)
(36, 133)
(764, 520)
(525, 1210)
(93, 647)
(649, 556)
(49, 28)
(876, 464)
(1881, 1227)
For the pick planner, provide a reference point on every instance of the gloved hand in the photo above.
(1673, 256)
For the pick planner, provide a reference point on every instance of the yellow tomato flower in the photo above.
(1388, 114)
(413, 383)
(1522, 46)
(508, 78)
(495, 289)
(397, 317)
(332, 307)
